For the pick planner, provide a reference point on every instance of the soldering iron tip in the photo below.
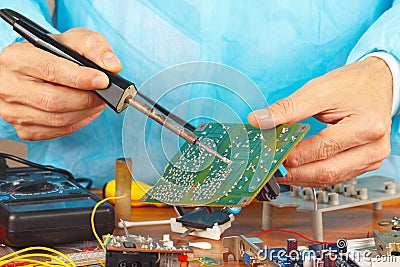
(224, 159)
(215, 153)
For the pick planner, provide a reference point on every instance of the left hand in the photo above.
(355, 101)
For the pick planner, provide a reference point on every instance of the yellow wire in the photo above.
(92, 218)
(101, 263)
(36, 248)
(56, 259)
(68, 259)
(36, 262)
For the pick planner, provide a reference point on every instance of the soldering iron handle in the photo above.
(118, 89)
(119, 93)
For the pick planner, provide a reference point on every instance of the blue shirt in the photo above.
(273, 46)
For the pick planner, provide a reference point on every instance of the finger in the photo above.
(40, 64)
(348, 133)
(262, 118)
(12, 114)
(93, 46)
(36, 133)
(292, 109)
(52, 97)
(339, 168)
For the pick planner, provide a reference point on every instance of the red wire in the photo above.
(368, 234)
(291, 232)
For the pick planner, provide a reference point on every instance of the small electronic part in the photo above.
(333, 199)
(85, 258)
(349, 190)
(295, 191)
(388, 243)
(322, 197)
(291, 247)
(362, 193)
(338, 188)
(329, 259)
(251, 251)
(270, 191)
(394, 221)
(390, 187)
(308, 193)
(203, 223)
(353, 181)
(195, 177)
(207, 261)
(131, 250)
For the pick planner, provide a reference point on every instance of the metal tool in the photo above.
(120, 92)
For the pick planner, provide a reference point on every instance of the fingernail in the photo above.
(111, 60)
(100, 81)
(264, 118)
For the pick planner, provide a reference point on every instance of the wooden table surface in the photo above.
(349, 223)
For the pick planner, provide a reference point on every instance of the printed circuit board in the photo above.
(193, 177)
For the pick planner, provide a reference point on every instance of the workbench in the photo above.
(351, 223)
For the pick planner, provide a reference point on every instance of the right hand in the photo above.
(44, 96)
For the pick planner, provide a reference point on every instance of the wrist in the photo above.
(388, 64)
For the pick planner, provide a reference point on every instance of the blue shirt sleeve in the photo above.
(383, 35)
(37, 11)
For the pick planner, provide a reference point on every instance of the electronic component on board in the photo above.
(207, 261)
(252, 251)
(388, 243)
(380, 251)
(142, 251)
(203, 223)
(194, 177)
(87, 258)
(291, 247)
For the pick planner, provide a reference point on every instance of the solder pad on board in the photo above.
(196, 178)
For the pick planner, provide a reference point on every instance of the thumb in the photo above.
(292, 109)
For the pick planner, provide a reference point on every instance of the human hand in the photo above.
(44, 96)
(355, 101)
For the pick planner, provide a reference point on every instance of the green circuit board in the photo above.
(194, 177)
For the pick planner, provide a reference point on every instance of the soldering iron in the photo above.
(119, 93)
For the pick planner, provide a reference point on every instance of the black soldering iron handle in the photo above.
(118, 89)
